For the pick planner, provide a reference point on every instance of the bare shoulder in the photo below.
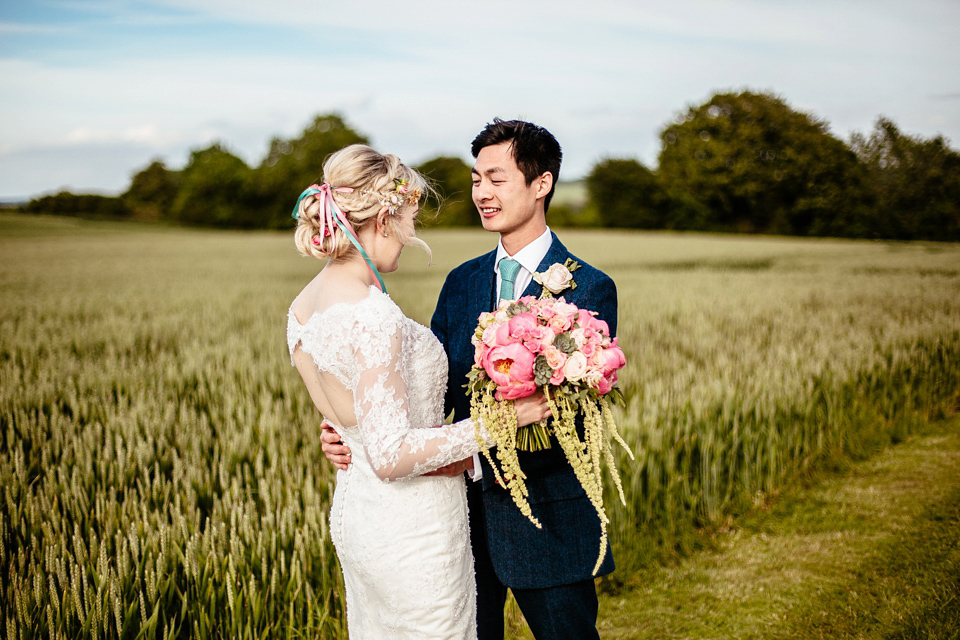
(325, 291)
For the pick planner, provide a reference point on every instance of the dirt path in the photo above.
(871, 553)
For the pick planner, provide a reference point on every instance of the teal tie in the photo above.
(508, 276)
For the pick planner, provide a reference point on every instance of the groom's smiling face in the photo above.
(507, 204)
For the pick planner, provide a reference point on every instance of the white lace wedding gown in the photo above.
(402, 539)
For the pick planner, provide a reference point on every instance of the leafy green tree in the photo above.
(81, 205)
(916, 182)
(757, 165)
(452, 180)
(213, 190)
(627, 194)
(292, 165)
(152, 191)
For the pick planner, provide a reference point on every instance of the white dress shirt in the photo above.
(529, 258)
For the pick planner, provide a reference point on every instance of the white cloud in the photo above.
(421, 78)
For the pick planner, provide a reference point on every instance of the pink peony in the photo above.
(612, 358)
(601, 327)
(510, 367)
(605, 384)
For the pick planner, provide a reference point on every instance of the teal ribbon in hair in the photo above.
(330, 215)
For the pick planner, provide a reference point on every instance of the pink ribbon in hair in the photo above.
(330, 215)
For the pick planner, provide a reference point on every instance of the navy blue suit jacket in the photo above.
(565, 550)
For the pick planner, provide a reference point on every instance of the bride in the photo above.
(379, 377)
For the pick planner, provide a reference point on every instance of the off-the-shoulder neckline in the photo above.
(374, 289)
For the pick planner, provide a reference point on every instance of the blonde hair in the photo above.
(372, 177)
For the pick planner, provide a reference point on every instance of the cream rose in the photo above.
(575, 366)
(555, 279)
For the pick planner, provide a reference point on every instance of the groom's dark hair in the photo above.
(535, 150)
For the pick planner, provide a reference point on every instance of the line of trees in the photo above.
(747, 162)
(741, 162)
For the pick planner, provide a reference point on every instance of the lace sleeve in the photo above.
(395, 448)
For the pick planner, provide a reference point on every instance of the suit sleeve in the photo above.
(605, 302)
(439, 327)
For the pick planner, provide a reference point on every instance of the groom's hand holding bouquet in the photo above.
(549, 344)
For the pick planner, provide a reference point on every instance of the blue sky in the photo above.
(93, 90)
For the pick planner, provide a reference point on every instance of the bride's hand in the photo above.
(532, 409)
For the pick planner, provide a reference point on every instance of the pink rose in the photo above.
(521, 324)
(510, 367)
(557, 378)
(559, 323)
(478, 352)
(555, 357)
(545, 335)
(589, 348)
(516, 329)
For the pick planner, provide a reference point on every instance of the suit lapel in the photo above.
(556, 253)
(482, 286)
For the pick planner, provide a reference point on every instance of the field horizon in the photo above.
(161, 460)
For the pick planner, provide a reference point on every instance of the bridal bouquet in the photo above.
(567, 352)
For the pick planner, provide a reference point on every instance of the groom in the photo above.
(549, 570)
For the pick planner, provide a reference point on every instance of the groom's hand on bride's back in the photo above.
(453, 469)
(337, 453)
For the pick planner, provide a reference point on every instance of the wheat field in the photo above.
(160, 461)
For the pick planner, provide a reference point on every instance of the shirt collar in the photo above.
(530, 256)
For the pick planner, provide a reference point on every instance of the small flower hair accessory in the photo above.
(401, 195)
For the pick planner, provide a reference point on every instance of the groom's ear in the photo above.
(544, 184)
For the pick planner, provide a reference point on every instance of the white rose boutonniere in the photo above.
(558, 277)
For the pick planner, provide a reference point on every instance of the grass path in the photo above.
(873, 552)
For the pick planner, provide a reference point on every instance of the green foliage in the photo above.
(157, 447)
(759, 166)
(80, 205)
(627, 194)
(212, 189)
(290, 166)
(451, 178)
(916, 183)
(152, 191)
(742, 162)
